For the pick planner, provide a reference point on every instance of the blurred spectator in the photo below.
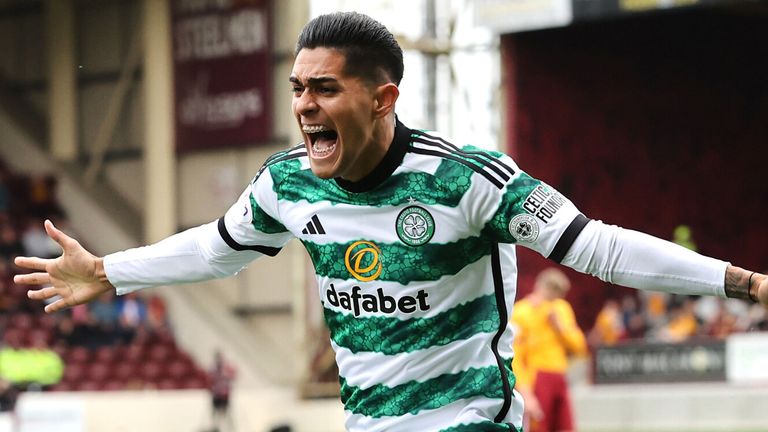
(131, 314)
(723, 324)
(682, 322)
(683, 235)
(42, 197)
(36, 242)
(758, 318)
(633, 320)
(104, 321)
(546, 334)
(222, 376)
(10, 244)
(34, 367)
(609, 326)
(8, 395)
(5, 193)
(69, 333)
(654, 308)
(157, 319)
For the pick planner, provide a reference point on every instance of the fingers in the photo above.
(56, 306)
(48, 293)
(33, 279)
(32, 263)
(58, 236)
(42, 293)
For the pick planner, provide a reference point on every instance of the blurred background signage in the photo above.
(643, 362)
(222, 64)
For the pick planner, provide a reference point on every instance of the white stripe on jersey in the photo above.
(366, 369)
(465, 411)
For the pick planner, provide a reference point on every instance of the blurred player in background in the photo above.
(412, 239)
(546, 335)
(222, 376)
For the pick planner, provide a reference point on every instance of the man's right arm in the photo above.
(248, 230)
(218, 249)
(194, 255)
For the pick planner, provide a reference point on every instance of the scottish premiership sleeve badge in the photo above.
(524, 228)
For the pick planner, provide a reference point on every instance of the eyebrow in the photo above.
(313, 81)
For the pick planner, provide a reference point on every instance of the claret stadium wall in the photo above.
(648, 122)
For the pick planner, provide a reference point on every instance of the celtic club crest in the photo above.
(415, 226)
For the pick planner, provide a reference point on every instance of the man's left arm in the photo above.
(531, 213)
(637, 260)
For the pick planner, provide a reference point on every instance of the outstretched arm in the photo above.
(77, 276)
(637, 260)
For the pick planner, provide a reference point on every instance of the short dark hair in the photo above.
(371, 51)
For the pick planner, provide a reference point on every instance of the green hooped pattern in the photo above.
(392, 336)
(402, 263)
(413, 397)
(511, 204)
(482, 427)
(446, 188)
(264, 222)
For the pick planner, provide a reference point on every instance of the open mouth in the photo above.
(322, 140)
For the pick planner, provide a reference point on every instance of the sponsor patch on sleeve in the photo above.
(543, 202)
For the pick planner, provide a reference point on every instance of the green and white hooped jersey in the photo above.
(416, 273)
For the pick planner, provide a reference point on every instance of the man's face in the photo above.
(335, 112)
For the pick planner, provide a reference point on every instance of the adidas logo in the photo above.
(314, 226)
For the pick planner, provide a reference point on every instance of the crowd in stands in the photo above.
(661, 317)
(113, 343)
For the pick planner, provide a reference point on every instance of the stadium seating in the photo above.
(96, 358)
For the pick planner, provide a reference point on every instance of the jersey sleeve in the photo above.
(530, 213)
(252, 223)
(533, 214)
(248, 230)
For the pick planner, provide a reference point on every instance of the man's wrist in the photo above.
(101, 274)
(739, 284)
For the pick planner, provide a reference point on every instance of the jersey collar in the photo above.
(386, 167)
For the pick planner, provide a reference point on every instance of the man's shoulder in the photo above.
(463, 160)
(283, 163)
(439, 140)
(522, 307)
(562, 305)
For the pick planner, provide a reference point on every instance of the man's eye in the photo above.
(297, 90)
(325, 90)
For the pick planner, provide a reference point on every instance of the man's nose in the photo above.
(305, 103)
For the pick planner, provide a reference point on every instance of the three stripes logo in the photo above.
(314, 226)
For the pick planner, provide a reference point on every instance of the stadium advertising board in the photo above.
(222, 73)
(747, 356)
(643, 362)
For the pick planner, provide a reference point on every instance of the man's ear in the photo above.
(386, 95)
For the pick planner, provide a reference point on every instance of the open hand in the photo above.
(77, 276)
